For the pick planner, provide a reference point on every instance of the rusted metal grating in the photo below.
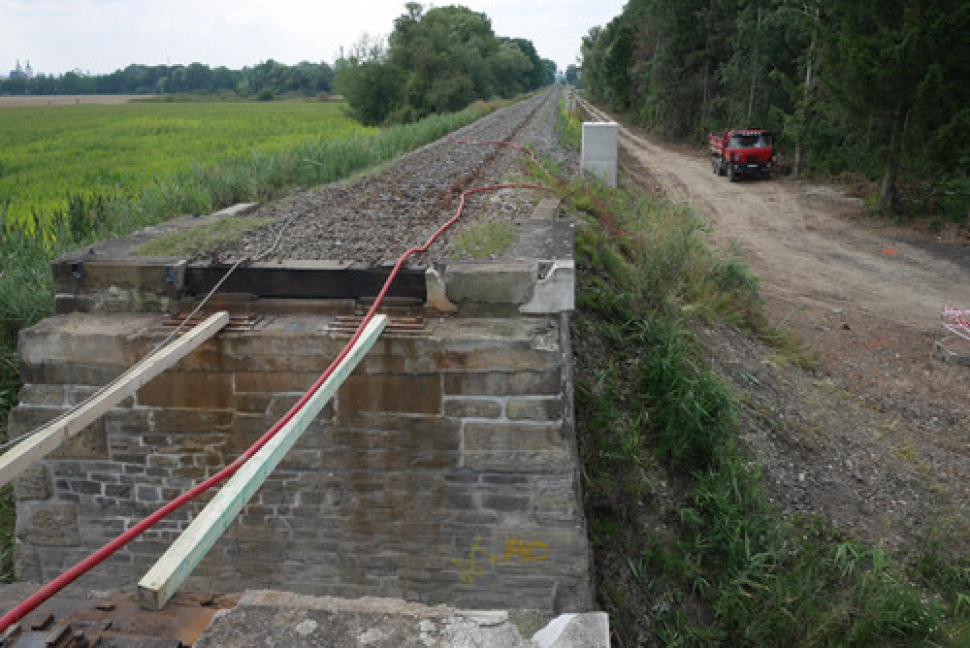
(237, 323)
(397, 326)
(118, 622)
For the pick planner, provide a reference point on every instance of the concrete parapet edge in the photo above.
(263, 616)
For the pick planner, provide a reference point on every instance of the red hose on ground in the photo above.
(50, 589)
(514, 146)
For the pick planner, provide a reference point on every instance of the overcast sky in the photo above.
(101, 36)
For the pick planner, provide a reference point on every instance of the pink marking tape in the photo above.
(956, 321)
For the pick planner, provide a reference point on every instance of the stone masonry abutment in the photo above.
(444, 470)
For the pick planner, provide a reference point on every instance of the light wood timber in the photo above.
(37, 445)
(183, 556)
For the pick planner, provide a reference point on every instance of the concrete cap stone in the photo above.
(266, 617)
(490, 283)
(555, 292)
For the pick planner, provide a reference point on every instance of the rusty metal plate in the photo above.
(237, 323)
(405, 326)
(119, 622)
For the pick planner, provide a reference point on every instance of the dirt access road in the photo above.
(876, 436)
(65, 100)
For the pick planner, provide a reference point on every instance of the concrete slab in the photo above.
(575, 631)
(494, 283)
(239, 209)
(555, 292)
(274, 618)
(542, 239)
(265, 618)
(547, 208)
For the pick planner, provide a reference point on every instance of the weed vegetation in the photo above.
(569, 125)
(688, 549)
(195, 241)
(483, 240)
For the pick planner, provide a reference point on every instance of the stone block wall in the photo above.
(444, 471)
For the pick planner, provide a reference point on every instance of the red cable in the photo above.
(515, 146)
(50, 589)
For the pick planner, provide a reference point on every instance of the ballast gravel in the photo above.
(376, 218)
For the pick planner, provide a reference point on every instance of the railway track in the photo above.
(378, 216)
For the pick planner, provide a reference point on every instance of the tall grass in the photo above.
(688, 549)
(569, 125)
(50, 154)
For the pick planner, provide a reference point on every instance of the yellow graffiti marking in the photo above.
(471, 568)
(521, 548)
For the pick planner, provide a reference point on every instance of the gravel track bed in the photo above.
(375, 218)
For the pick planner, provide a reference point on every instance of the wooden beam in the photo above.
(183, 556)
(39, 444)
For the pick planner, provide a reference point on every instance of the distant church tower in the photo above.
(21, 73)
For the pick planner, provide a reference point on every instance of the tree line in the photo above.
(436, 61)
(880, 87)
(269, 76)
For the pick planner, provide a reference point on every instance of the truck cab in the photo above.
(737, 153)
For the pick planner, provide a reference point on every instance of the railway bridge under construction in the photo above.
(434, 461)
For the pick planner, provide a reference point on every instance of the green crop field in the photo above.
(49, 153)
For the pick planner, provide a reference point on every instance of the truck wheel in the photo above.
(720, 168)
(766, 175)
(732, 176)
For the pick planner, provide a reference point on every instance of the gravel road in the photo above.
(374, 219)
(874, 437)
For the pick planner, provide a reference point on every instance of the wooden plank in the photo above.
(39, 444)
(183, 556)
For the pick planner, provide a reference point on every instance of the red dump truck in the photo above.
(741, 153)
